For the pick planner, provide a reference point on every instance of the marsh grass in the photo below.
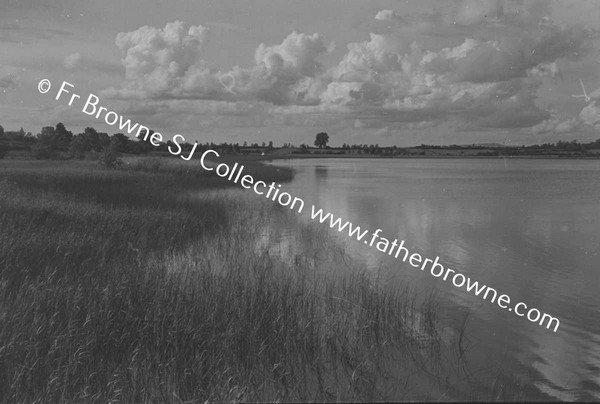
(122, 286)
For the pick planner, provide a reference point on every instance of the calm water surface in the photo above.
(527, 228)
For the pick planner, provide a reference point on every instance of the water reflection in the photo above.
(527, 228)
(321, 172)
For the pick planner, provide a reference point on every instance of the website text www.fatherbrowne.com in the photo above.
(273, 192)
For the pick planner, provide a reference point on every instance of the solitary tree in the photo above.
(321, 140)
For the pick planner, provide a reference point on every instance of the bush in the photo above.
(109, 158)
(43, 151)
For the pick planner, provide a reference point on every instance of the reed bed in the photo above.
(143, 285)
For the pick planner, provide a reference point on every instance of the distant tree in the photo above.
(3, 146)
(47, 132)
(245, 144)
(97, 140)
(321, 140)
(62, 136)
(46, 146)
(120, 143)
(271, 145)
(103, 141)
(93, 138)
(79, 146)
(140, 146)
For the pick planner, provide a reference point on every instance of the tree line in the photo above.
(56, 142)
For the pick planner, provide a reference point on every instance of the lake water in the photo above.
(527, 228)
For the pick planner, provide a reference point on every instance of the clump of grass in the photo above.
(118, 286)
(151, 164)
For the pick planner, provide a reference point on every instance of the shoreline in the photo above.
(202, 276)
(273, 157)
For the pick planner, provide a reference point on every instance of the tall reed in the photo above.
(143, 285)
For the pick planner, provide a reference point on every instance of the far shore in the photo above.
(279, 154)
(267, 157)
(418, 152)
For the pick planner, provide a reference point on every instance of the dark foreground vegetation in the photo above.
(138, 285)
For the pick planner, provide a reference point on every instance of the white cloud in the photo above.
(168, 63)
(492, 82)
(297, 54)
(161, 62)
(385, 15)
(72, 61)
(591, 114)
(487, 82)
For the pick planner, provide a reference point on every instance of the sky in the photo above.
(366, 72)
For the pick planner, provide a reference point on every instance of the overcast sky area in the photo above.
(385, 72)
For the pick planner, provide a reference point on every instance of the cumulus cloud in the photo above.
(492, 82)
(554, 124)
(507, 58)
(297, 54)
(484, 80)
(385, 15)
(168, 63)
(591, 114)
(162, 62)
(284, 73)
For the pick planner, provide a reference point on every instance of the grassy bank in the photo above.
(141, 285)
